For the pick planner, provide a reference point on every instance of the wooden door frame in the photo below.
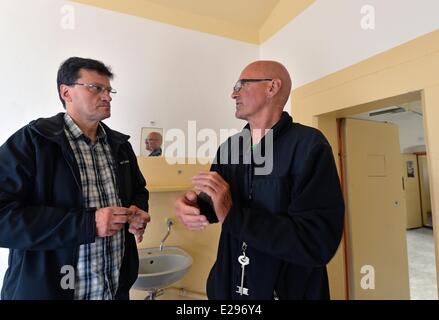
(331, 121)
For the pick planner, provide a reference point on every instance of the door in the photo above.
(376, 219)
(425, 191)
(412, 194)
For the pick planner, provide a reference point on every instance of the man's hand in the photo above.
(214, 186)
(187, 211)
(138, 221)
(110, 220)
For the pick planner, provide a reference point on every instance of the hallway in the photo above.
(422, 271)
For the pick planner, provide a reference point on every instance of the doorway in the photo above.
(408, 117)
(419, 239)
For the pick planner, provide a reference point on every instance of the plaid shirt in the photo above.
(97, 270)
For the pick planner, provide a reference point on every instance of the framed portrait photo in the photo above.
(151, 142)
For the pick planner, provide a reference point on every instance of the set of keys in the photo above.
(244, 261)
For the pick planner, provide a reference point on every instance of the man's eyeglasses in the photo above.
(96, 88)
(241, 83)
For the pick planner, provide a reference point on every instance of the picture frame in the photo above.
(410, 169)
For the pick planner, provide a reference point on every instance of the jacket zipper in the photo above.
(73, 173)
(250, 177)
(75, 258)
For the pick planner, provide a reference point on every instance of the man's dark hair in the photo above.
(68, 72)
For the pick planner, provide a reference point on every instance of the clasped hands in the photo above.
(111, 219)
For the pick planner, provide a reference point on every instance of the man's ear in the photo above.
(274, 88)
(64, 92)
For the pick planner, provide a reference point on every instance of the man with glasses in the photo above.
(279, 227)
(72, 198)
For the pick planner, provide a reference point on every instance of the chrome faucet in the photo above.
(169, 223)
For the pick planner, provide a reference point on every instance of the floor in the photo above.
(422, 265)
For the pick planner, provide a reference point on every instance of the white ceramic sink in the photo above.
(158, 269)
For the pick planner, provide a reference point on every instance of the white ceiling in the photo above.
(413, 112)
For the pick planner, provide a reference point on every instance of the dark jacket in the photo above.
(42, 216)
(291, 219)
(156, 153)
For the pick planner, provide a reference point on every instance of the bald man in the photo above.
(153, 143)
(281, 222)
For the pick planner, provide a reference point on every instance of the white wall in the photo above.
(163, 73)
(328, 37)
(411, 134)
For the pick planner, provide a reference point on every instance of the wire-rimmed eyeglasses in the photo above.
(239, 84)
(96, 88)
